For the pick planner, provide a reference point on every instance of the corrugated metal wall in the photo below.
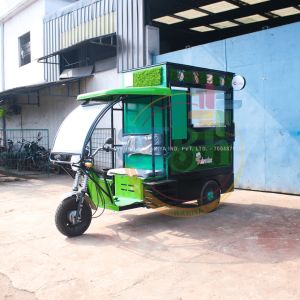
(131, 34)
(70, 27)
(267, 111)
(92, 18)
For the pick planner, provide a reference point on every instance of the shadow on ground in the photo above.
(255, 233)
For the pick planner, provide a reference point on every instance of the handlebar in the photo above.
(106, 149)
(78, 164)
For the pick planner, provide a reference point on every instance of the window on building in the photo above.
(24, 49)
(88, 54)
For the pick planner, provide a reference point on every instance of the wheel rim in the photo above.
(210, 192)
(210, 196)
(71, 217)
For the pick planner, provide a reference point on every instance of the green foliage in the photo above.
(148, 77)
(2, 112)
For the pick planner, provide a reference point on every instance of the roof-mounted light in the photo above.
(285, 12)
(219, 7)
(225, 24)
(254, 1)
(191, 14)
(202, 29)
(251, 19)
(169, 20)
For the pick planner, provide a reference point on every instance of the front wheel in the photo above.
(65, 217)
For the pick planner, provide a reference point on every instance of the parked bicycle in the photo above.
(32, 156)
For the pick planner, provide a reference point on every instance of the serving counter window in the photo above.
(207, 108)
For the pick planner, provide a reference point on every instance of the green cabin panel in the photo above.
(138, 121)
(179, 115)
(137, 116)
(144, 162)
(99, 198)
(129, 187)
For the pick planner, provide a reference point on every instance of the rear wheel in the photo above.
(210, 192)
(66, 215)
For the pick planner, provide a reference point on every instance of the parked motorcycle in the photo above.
(27, 156)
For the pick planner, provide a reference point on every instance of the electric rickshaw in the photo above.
(164, 140)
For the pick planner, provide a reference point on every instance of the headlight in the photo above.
(89, 163)
(75, 159)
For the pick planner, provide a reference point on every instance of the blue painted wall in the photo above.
(268, 120)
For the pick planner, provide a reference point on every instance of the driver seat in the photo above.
(141, 173)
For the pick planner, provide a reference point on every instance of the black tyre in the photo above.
(62, 217)
(210, 192)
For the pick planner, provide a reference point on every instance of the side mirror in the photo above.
(109, 141)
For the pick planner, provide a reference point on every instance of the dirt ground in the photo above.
(248, 249)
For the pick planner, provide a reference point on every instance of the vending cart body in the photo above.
(169, 144)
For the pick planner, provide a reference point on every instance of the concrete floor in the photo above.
(248, 249)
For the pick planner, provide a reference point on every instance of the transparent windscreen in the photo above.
(74, 129)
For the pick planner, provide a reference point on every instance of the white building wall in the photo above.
(29, 20)
(54, 105)
(53, 109)
(1, 57)
(104, 80)
(6, 5)
(17, 19)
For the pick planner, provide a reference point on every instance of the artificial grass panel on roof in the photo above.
(148, 77)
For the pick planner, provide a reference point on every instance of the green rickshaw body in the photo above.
(128, 193)
(184, 116)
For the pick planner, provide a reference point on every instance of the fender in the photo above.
(86, 198)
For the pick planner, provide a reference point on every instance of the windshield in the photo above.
(74, 129)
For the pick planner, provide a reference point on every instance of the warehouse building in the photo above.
(53, 50)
